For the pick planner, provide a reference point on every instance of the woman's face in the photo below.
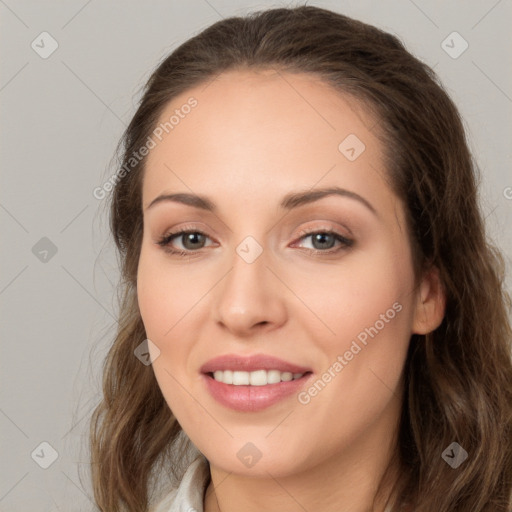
(265, 277)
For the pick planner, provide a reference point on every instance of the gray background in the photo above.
(61, 119)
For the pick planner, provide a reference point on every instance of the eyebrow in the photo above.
(290, 201)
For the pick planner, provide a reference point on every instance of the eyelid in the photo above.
(304, 231)
(186, 227)
(317, 225)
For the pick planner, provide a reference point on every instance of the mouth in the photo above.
(250, 383)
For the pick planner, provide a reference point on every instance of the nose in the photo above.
(250, 299)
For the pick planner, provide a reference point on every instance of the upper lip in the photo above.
(250, 364)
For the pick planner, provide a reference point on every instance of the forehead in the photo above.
(262, 127)
(272, 99)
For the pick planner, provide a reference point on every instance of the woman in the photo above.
(306, 268)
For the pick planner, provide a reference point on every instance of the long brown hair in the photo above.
(458, 379)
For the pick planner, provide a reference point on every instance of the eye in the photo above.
(324, 241)
(191, 240)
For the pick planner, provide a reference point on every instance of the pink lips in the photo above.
(252, 398)
(250, 364)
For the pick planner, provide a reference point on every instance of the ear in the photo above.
(430, 303)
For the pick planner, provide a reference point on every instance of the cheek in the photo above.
(171, 308)
(347, 298)
(163, 296)
(163, 303)
(363, 313)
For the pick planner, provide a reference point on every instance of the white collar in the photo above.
(189, 495)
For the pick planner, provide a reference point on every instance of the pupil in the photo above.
(192, 238)
(321, 238)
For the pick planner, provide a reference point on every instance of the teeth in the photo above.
(256, 378)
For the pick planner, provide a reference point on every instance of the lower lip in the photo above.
(253, 398)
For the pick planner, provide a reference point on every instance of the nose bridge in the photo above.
(247, 280)
(248, 295)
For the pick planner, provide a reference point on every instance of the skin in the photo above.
(253, 138)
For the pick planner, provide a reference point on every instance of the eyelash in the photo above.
(165, 241)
